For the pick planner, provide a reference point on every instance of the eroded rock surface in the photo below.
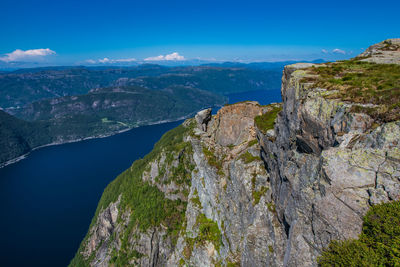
(234, 121)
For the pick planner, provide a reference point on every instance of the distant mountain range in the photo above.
(165, 63)
(21, 87)
(260, 65)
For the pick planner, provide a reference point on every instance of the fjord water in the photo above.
(48, 199)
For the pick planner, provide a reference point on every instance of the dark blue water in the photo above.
(48, 199)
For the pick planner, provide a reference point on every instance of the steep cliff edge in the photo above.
(335, 151)
(209, 174)
(259, 185)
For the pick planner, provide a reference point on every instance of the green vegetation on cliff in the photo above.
(150, 206)
(378, 243)
(258, 194)
(147, 205)
(247, 157)
(213, 160)
(208, 231)
(362, 82)
(266, 121)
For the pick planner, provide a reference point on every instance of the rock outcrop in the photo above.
(385, 52)
(236, 193)
(202, 118)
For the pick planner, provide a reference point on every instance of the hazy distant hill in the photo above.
(25, 86)
(109, 110)
(215, 79)
(18, 137)
(259, 65)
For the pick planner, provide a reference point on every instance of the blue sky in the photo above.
(111, 32)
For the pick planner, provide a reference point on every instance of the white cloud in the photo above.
(157, 58)
(338, 51)
(173, 56)
(27, 55)
(107, 60)
(104, 60)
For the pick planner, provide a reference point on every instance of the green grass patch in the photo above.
(377, 245)
(362, 82)
(270, 249)
(253, 142)
(233, 264)
(208, 231)
(182, 173)
(271, 207)
(123, 258)
(258, 194)
(213, 160)
(247, 157)
(266, 121)
(196, 200)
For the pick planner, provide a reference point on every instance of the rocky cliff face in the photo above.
(327, 166)
(234, 192)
